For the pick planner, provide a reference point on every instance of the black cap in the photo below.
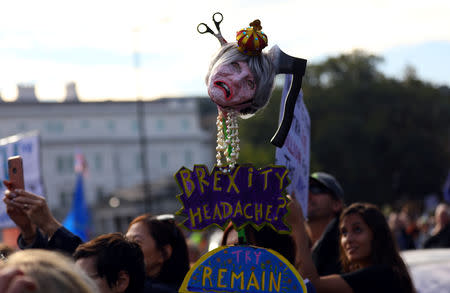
(329, 182)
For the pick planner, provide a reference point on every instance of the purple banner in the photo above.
(246, 195)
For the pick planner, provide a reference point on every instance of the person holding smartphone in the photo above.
(38, 227)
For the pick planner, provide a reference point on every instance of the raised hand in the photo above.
(18, 215)
(37, 210)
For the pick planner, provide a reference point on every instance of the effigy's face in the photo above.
(232, 85)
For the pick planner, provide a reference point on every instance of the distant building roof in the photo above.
(71, 93)
(26, 93)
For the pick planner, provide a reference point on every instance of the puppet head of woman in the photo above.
(240, 82)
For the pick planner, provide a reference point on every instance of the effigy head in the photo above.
(240, 82)
(240, 76)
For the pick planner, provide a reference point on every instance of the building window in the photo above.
(160, 124)
(64, 198)
(64, 164)
(22, 126)
(54, 126)
(100, 194)
(111, 125)
(103, 225)
(85, 124)
(117, 223)
(188, 158)
(70, 164)
(134, 125)
(60, 164)
(129, 219)
(185, 124)
(163, 160)
(98, 162)
(138, 161)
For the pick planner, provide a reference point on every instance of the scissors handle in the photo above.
(203, 28)
(217, 21)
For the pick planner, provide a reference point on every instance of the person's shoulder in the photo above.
(153, 286)
(331, 233)
(64, 241)
(440, 240)
(328, 244)
(378, 270)
(374, 278)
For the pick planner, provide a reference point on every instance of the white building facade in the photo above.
(108, 135)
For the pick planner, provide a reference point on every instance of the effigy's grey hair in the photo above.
(262, 67)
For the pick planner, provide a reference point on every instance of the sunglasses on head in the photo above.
(165, 217)
(317, 189)
(168, 219)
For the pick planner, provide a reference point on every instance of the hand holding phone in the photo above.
(15, 172)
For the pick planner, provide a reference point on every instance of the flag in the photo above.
(78, 220)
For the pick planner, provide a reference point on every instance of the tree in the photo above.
(255, 133)
(383, 138)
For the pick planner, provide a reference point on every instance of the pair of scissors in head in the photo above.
(203, 28)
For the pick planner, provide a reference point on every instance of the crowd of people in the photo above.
(425, 231)
(337, 248)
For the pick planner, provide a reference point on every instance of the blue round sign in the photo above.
(243, 269)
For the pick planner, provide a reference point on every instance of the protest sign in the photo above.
(244, 195)
(295, 152)
(242, 269)
(26, 145)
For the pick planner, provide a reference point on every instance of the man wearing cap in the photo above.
(325, 204)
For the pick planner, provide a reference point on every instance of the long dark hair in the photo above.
(114, 253)
(164, 231)
(266, 237)
(384, 248)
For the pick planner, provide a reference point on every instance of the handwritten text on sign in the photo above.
(296, 149)
(246, 195)
(242, 269)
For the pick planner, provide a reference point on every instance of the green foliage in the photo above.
(255, 134)
(383, 138)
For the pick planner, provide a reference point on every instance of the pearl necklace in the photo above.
(227, 140)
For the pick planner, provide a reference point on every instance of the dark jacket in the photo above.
(377, 278)
(62, 240)
(440, 240)
(153, 286)
(325, 253)
(65, 241)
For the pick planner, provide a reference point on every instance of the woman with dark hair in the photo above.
(369, 255)
(162, 242)
(165, 251)
(265, 237)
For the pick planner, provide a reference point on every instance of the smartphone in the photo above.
(15, 172)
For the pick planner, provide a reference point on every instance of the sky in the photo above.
(93, 42)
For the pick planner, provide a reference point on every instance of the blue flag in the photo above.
(78, 220)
